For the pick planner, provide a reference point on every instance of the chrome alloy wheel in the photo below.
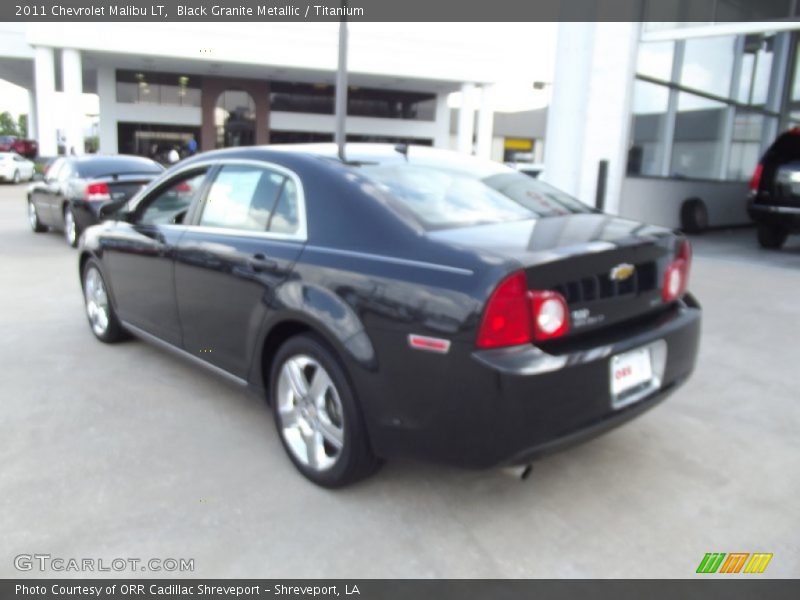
(32, 218)
(70, 230)
(310, 412)
(96, 297)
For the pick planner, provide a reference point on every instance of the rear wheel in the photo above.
(102, 318)
(694, 216)
(33, 218)
(771, 237)
(70, 227)
(317, 414)
(16, 177)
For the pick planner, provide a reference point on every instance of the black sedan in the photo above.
(76, 190)
(774, 202)
(408, 301)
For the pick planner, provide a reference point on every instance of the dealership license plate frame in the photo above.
(646, 364)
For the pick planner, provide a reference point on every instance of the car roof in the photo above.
(106, 157)
(398, 154)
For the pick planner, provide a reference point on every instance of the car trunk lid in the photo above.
(608, 269)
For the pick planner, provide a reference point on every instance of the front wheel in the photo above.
(70, 227)
(33, 218)
(17, 178)
(102, 318)
(771, 237)
(317, 415)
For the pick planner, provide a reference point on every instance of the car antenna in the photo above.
(402, 149)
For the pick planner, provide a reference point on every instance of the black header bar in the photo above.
(391, 10)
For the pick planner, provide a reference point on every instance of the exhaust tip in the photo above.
(521, 472)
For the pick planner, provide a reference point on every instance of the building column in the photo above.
(45, 84)
(483, 146)
(466, 119)
(31, 115)
(107, 95)
(590, 111)
(72, 75)
(441, 138)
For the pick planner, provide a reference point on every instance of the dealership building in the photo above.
(642, 116)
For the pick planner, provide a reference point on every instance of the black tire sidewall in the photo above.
(771, 237)
(694, 216)
(355, 451)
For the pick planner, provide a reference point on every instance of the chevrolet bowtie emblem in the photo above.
(621, 272)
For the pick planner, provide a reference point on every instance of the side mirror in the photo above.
(115, 211)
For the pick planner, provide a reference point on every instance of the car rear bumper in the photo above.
(86, 213)
(506, 407)
(774, 215)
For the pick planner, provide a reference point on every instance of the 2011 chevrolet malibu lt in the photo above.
(403, 302)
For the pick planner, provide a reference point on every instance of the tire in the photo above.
(99, 310)
(694, 216)
(17, 178)
(71, 233)
(324, 437)
(33, 218)
(771, 237)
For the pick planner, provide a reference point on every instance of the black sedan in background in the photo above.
(407, 301)
(774, 202)
(75, 189)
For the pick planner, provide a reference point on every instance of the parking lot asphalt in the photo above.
(129, 452)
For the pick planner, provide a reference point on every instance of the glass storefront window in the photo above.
(139, 87)
(655, 59)
(235, 119)
(362, 102)
(796, 77)
(708, 64)
(646, 150)
(697, 144)
(756, 70)
(745, 145)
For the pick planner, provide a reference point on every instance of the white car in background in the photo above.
(15, 168)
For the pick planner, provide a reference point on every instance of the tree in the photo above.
(8, 126)
(22, 126)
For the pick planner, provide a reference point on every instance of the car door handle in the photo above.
(259, 262)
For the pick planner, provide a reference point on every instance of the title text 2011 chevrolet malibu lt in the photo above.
(408, 301)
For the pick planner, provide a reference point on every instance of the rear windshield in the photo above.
(443, 198)
(106, 166)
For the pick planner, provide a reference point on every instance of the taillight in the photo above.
(507, 318)
(755, 180)
(676, 276)
(97, 192)
(550, 315)
(515, 315)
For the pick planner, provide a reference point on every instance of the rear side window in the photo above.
(251, 198)
(107, 166)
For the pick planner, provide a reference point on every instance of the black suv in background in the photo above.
(775, 191)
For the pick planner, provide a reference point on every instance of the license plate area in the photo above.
(636, 373)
